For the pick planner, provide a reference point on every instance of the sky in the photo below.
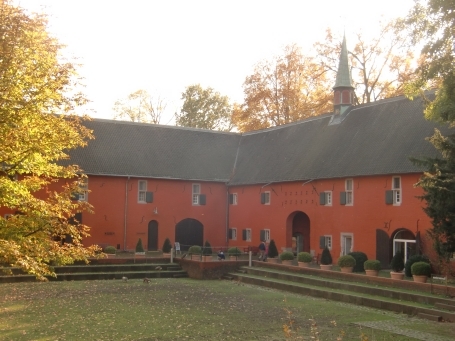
(163, 46)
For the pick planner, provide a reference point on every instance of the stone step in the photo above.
(445, 306)
(430, 317)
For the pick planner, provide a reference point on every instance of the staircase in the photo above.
(421, 304)
(103, 271)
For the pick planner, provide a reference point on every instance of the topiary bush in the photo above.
(110, 250)
(287, 255)
(421, 269)
(360, 258)
(412, 260)
(372, 264)
(234, 251)
(195, 250)
(139, 247)
(326, 257)
(304, 257)
(397, 263)
(167, 246)
(346, 261)
(207, 251)
(273, 251)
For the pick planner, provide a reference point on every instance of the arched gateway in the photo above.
(298, 231)
(189, 232)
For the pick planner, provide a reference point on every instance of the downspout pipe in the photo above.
(126, 212)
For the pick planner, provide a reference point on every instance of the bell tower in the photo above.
(343, 91)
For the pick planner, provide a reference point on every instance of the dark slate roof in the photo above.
(376, 138)
(157, 151)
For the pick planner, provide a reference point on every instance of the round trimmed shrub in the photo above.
(195, 250)
(207, 251)
(234, 251)
(167, 246)
(372, 264)
(287, 255)
(304, 257)
(397, 263)
(412, 260)
(360, 258)
(346, 261)
(421, 269)
(273, 251)
(326, 257)
(110, 250)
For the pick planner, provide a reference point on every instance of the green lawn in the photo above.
(186, 309)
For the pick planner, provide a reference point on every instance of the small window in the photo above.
(246, 235)
(83, 185)
(265, 198)
(233, 233)
(233, 198)
(325, 198)
(396, 188)
(265, 235)
(349, 186)
(196, 193)
(7, 216)
(325, 241)
(142, 190)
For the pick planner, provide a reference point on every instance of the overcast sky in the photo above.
(165, 46)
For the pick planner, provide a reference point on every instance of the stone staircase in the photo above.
(103, 271)
(421, 304)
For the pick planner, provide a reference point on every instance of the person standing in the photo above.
(262, 250)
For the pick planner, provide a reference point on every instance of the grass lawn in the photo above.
(186, 309)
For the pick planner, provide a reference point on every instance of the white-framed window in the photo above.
(234, 199)
(267, 235)
(396, 188)
(248, 235)
(83, 185)
(233, 233)
(349, 188)
(196, 192)
(265, 198)
(327, 240)
(141, 191)
(7, 215)
(347, 243)
(326, 198)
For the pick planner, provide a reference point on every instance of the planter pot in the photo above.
(272, 260)
(304, 264)
(166, 255)
(373, 273)
(347, 269)
(232, 257)
(396, 275)
(111, 255)
(420, 279)
(207, 258)
(286, 262)
(326, 267)
(196, 257)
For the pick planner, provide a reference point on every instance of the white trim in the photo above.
(328, 241)
(83, 186)
(234, 233)
(195, 192)
(248, 235)
(267, 198)
(267, 235)
(234, 199)
(343, 237)
(349, 192)
(328, 198)
(397, 192)
(141, 191)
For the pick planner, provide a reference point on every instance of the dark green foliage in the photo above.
(360, 258)
(110, 250)
(412, 260)
(326, 257)
(372, 264)
(397, 263)
(421, 269)
(207, 251)
(273, 251)
(139, 247)
(195, 250)
(346, 261)
(167, 246)
(287, 255)
(234, 251)
(304, 257)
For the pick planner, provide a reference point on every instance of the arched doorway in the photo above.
(300, 223)
(404, 241)
(189, 232)
(152, 240)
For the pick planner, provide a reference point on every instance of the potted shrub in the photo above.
(304, 259)
(110, 251)
(287, 257)
(167, 246)
(272, 253)
(195, 252)
(397, 266)
(372, 267)
(326, 259)
(420, 271)
(207, 252)
(346, 263)
(233, 253)
(360, 258)
(139, 248)
(412, 260)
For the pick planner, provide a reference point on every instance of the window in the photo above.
(347, 243)
(83, 185)
(396, 188)
(233, 233)
(233, 199)
(349, 192)
(325, 241)
(265, 198)
(142, 190)
(325, 198)
(7, 216)
(247, 235)
(196, 193)
(264, 235)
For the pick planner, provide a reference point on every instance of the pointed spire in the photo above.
(344, 73)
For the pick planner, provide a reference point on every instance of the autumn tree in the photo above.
(379, 66)
(140, 106)
(285, 89)
(37, 96)
(205, 109)
(431, 23)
